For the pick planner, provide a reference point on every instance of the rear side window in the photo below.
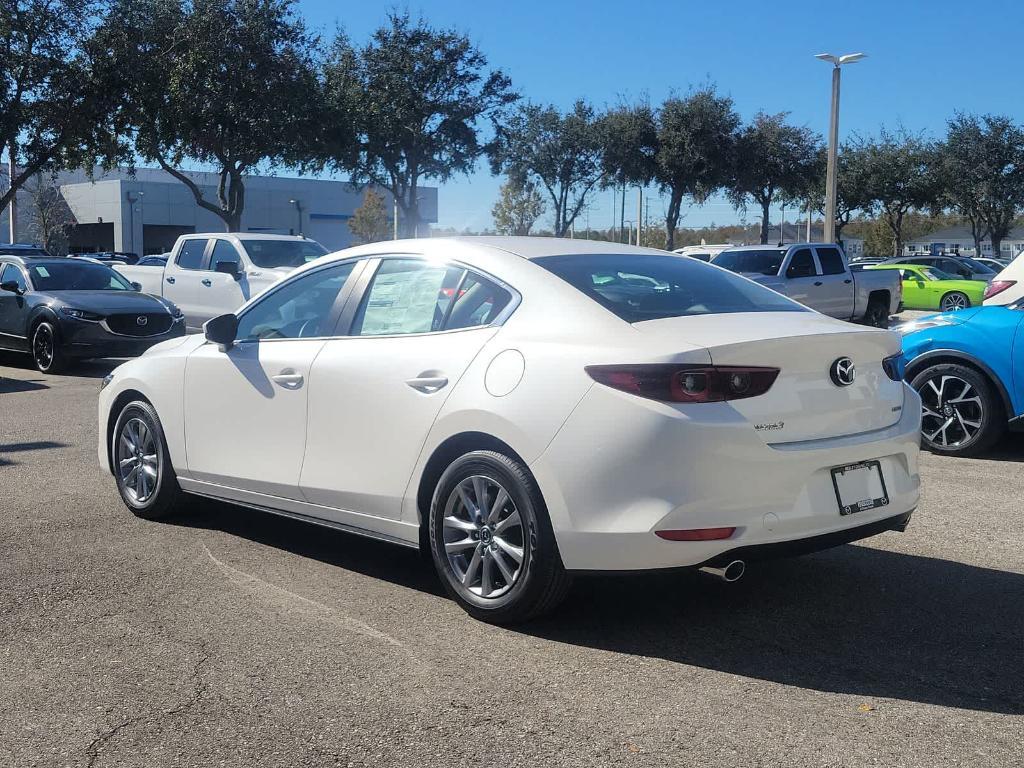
(831, 261)
(641, 287)
(479, 302)
(407, 296)
(802, 264)
(191, 256)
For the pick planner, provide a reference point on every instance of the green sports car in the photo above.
(931, 288)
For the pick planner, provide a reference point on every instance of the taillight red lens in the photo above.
(686, 383)
(696, 534)
(998, 286)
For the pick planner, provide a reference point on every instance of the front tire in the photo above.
(46, 351)
(142, 467)
(954, 301)
(962, 414)
(492, 542)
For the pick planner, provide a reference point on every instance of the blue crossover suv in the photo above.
(968, 367)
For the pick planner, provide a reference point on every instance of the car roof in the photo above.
(246, 236)
(784, 246)
(539, 247)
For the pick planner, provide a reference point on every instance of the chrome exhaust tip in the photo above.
(730, 573)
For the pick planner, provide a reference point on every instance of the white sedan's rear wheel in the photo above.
(492, 542)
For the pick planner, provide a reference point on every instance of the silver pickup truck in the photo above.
(818, 275)
(211, 274)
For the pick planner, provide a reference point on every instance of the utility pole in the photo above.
(394, 216)
(13, 208)
(808, 221)
(639, 212)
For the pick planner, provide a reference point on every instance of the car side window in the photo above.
(300, 309)
(801, 264)
(479, 302)
(12, 273)
(223, 253)
(831, 261)
(407, 296)
(191, 255)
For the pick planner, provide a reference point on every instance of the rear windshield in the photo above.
(766, 261)
(643, 287)
(282, 253)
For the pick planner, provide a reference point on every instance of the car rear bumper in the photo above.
(620, 470)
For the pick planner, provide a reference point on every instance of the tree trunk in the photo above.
(997, 244)
(672, 218)
(764, 221)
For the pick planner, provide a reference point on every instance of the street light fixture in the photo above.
(833, 140)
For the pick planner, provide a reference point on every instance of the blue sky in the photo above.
(926, 59)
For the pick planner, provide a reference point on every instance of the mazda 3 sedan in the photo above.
(527, 408)
(63, 309)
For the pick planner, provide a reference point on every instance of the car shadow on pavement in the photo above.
(853, 620)
(6, 449)
(10, 386)
(86, 369)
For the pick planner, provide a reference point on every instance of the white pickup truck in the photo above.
(818, 275)
(211, 274)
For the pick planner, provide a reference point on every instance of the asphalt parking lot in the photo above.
(234, 638)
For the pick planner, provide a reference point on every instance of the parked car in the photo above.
(209, 274)
(996, 265)
(59, 310)
(816, 274)
(524, 408)
(931, 288)
(120, 257)
(962, 267)
(1007, 287)
(22, 249)
(963, 366)
(702, 252)
(152, 261)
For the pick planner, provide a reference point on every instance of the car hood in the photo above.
(108, 302)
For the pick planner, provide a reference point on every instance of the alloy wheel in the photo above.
(137, 464)
(952, 411)
(954, 302)
(484, 537)
(42, 346)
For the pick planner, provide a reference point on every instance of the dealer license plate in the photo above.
(859, 487)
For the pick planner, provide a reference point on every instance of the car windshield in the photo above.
(637, 287)
(976, 265)
(765, 261)
(74, 275)
(934, 273)
(282, 253)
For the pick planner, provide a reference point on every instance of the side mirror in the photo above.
(221, 330)
(137, 286)
(11, 286)
(229, 268)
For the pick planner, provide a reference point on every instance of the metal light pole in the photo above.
(833, 141)
(298, 210)
(11, 170)
(639, 212)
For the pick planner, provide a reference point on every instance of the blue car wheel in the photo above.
(962, 414)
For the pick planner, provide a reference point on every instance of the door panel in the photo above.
(219, 293)
(835, 294)
(13, 310)
(181, 281)
(245, 414)
(372, 401)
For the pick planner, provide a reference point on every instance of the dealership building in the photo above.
(145, 211)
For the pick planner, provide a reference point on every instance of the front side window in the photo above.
(831, 261)
(637, 288)
(407, 296)
(75, 275)
(282, 253)
(300, 309)
(802, 264)
(11, 273)
(765, 261)
(191, 255)
(223, 253)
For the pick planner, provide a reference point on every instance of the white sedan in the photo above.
(526, 408)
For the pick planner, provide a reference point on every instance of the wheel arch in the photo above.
(883, 294)
(123, 398)
(442, 456)
(42, 313)
(955, 356)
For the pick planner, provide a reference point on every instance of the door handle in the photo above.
(847, 281)
(428, 384)
(206, 282)
(818, 282)
(170, 280)
(288, 379)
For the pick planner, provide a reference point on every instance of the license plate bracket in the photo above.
(859, 487)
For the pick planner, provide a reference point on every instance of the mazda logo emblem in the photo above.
(141, 320)
(843, 372)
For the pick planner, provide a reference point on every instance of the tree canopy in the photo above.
(518, 208)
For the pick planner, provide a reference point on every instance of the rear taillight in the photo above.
(894, 367)
(686, 383)
(998, 286)
(696, 534)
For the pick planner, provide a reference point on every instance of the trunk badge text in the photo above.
(842, 372)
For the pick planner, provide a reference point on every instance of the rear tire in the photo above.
(963, 414)
(492, 542)
(877, 313)
(954, 301)
(46, 351)
(141, 464)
